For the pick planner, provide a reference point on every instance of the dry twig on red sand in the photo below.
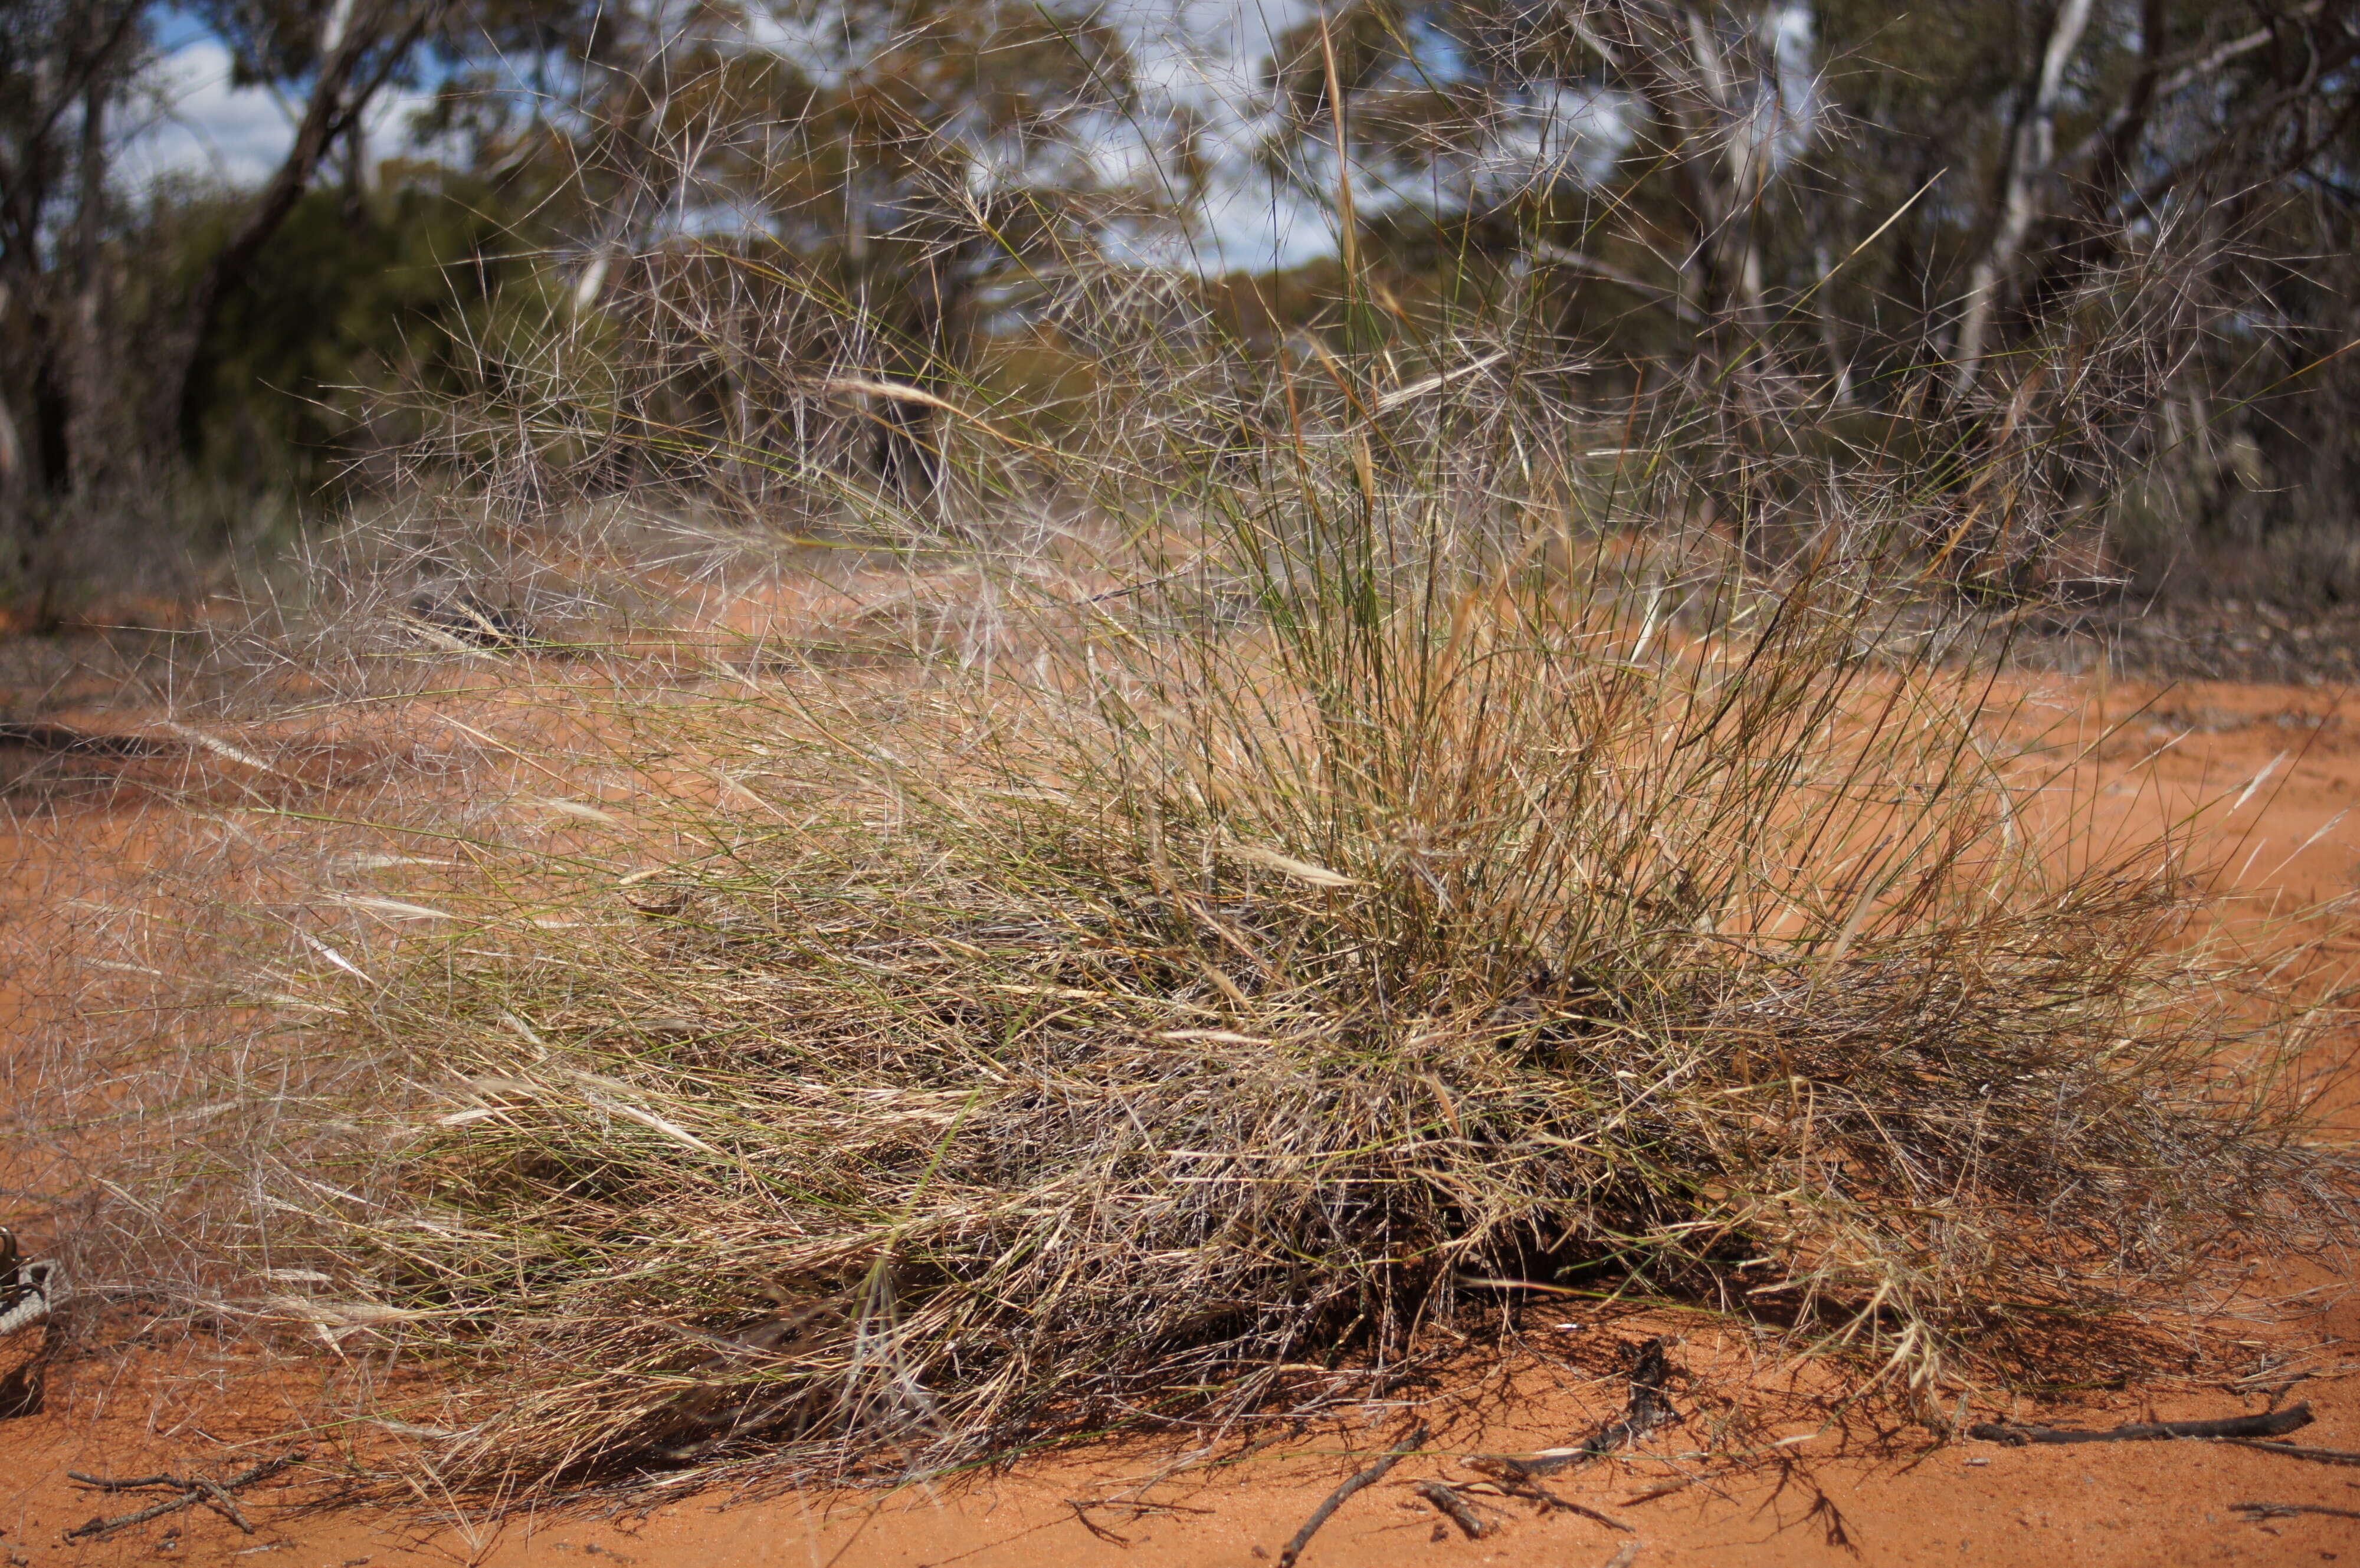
(191, 1489)
(2269, 1424)
(1363, 1479)
(2296, 1451)
(1446, 1498)
(2288, 1510)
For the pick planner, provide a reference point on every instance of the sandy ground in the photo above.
(1847, 1495)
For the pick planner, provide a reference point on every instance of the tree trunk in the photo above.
(2031, 149)
(50, 471)
(90, 379)
(12, 474)
(337, 103)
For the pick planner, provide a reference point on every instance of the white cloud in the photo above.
(199, 124)
(1250, 223)
(1207, 62)
(1201, 63)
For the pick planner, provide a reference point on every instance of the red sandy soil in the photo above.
(1848, 1496)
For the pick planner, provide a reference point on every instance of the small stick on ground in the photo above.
(2296, 1451)
(132, 1483)
(196, 1489)
(1369, 1477)
(1452, 1506)
(98, 1527)
(2273, 1424)
(2288, 1510)
(224, 1504)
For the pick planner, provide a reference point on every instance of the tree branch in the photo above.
(2030, 154)
(332, 109)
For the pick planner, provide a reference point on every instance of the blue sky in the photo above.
(198, 123)
(1204, 55)
(1201, 59)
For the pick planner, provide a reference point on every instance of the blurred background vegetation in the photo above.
(2113, 236)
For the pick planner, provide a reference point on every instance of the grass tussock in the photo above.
(1194, 1017)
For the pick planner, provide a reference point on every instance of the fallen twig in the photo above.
(2288, 1510)
(1453, 1507)
(224, 1504)
(1369, 1477)
(132, 1483)
(97, 1527)
(191, 1489)
(2296, 1451)
(1137, 1509)
(2266, 1425)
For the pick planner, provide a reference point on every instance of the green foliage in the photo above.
(1794, 204)
(350, 301)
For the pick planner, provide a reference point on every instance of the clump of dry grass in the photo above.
(1194, 1017)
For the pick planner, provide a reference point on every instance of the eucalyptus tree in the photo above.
(1948, 208)
(329, 60)
(63, 64)
(100, 363)
(771, 200)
